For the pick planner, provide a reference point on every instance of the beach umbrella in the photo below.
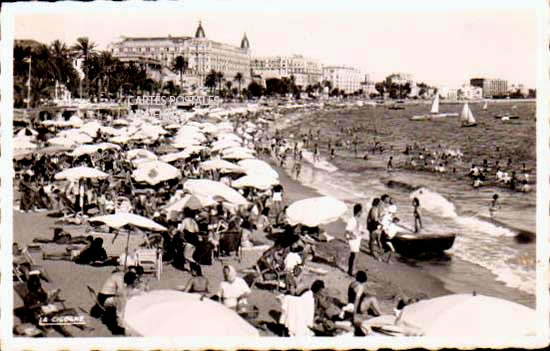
(225, 144)
(255, 166)
(91, 128)
(80, 172)
(190, 150)
(120, 122)
(90, 149)
(315, 211)
(23, 143)
(119, 139)
(28, 132)
(171, 313)
(238, 149)
(470, 315)
(222, 165)
(112, 131)
(229, 136)
(213, 189)
(193, 202)
(257, 181)
(154, 172)
(238, 155)
(119, 220)
(140, 153)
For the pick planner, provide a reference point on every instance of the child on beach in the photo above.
(494, 206)
(416, 213)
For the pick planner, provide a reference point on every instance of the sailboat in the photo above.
(466, 117)
(485, 106)
(434, 113)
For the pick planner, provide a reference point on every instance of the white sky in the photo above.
(439, 42)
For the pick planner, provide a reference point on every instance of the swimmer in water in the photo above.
(494, 206)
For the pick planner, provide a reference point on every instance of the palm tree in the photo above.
(84, 48)
(219, 79)
(180, 66)
(239, 79)
(211, 80)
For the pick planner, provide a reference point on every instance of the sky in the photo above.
(440, 45)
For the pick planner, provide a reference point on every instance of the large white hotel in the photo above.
(202, 54)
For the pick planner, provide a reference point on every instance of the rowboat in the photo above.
(418, 244)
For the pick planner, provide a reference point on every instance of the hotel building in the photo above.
(344, 78)
(305, 71)
(201, 53)
(491, 87)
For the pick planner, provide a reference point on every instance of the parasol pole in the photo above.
(127, 244)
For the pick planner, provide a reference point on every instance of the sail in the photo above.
(466, 117)
(435, 105)
(485, 105)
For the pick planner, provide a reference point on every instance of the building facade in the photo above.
(344, 78)
(201, 54)
(399, 79)
(470, 92)
(305, 71)
(491, 87)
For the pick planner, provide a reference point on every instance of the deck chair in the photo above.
(230, 241)
(24, 264)
(150, 260)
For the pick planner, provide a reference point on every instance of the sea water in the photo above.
(485, 257)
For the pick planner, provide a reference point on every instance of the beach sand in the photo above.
(386, 281)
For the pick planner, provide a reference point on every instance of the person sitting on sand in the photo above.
(263, 223)
(326, 310)
(358, 300)
(474, 171)
(233, 290)
(198, 283)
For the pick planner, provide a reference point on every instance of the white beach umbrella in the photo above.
(80, 172)
(171, 313)
(23, 143)
(120, 122)
(119, 220)
(469, 315)
(140, 153)
(90, 149)
(154, 172)
(28, 132)
(224, 144)
(257, 181)
(238, 150)
(91, 128)
(315, 211)
(193, 202)
(238, 155)
(213, 189)
(255, 166)
(222, 165)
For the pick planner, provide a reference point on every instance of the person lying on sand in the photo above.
(94, 254)
(61, 237)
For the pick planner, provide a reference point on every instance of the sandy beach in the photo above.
(386, 281)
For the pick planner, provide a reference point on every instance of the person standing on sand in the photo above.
(494, 206)
(390, 164)
(353, 235)
(416, 213)
(373, 224)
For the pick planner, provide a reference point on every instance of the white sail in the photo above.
(485, 105)
(435, 105)
(466, 117)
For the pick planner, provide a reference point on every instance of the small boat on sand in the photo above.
(418, 244)
(434, 113)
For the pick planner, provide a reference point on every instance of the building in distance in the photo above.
(491, 87)
(306, 71)
(345, 78)
(201, 54)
